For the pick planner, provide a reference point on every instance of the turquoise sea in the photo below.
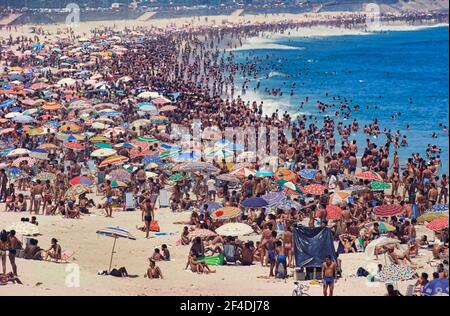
(404, 72)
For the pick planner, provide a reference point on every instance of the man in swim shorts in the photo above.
(328, 276)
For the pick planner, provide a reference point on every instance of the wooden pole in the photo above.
(112, 253)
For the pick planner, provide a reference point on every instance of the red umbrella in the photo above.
(369, 175)
(438, 224)
(74, 146)
(314, 189)
(388, 210)
(333, 212)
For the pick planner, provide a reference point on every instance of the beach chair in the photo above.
(130, 204)
(163, 198)
(229, 252)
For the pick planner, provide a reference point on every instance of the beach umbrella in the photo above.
(6, 131)
(186, 157)
(70, 127)
(241, 165)
(103, 152)
(264, 173)
(23, 119)
(438, 224)
(197, 166)
(44, 176)
(290, 185)
(369, 175)
(429, 216)
(148, 108)
(436, 287)
(19, 161)
(104, 145)
(114, 160)
(396, 273)
(51, 106)
(125, 145)
(36, 131)
(24, 228)
(99, 125)
(383, 226)
(287, 205)
(308, 173)
(11, 115)
(202, 233)
(243, 172)
(274, 198)
(98, 139)
(314, 189)
(18, 152)
(285, 174)
(234, 229)
(138, 123)
(254, 202)
(66, 82)
(74, 146)
(148, 95)
(117, 183)
(438, 208)
(168, 153)
(211, 206)
(226, 213)
(339, 197)
(388, 210)
(380, 186)
(151, 175)
(176, 177)
(120, 175)
(333, 212)
(228, 178)
(75, 191)
(247, 156)
(82, 180)
(167, 108)
(357, 189)
(159, 119)
(147, 139)
(379, 242)
(115, 131)
(115, 232)
(47, 146)
(161, 100)
(218, 154)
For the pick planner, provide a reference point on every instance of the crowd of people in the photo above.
(113, 113)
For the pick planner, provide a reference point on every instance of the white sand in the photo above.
(92, 252)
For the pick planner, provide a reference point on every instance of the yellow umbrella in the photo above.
(70, 128)
(99, 139)
(35, 131)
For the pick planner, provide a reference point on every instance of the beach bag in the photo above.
(362, 272)
(154, 226)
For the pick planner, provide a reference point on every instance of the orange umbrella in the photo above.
(51, 106)
(369, 175)
(114, 160)
(74, 146)
(285, 174)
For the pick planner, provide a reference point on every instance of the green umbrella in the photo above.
(104, 145)
(168, 153)
(176, 177)
(380, 186)
(147, 139)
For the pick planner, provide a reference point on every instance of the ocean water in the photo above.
(403, 72)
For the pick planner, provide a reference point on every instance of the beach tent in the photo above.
(312, 245)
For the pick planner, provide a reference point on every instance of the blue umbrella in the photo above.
(70, 138)
(7, 103)
(212, 206)
(185, 157)
(152, 159)
(286, 205)
(23, 119)
(111, 113)
(274, 198)
(52, 124)
(308, 173)
(4, 152)
(115, 232)
(255, 202)
(438, 208)
(436, 287)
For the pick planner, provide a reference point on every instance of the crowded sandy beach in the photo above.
(131, 165)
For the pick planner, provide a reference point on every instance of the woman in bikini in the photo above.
(287, 239)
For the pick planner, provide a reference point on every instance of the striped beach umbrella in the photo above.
(243, 172)
(386, 210)
(197, 166)
(103, 152)
(383, 226)
(314, 189)
(339, 197)
(159, 119)
(75, 191)
(147, 139)
(70, 128)
(114, 131)
(429, 216)
(115, 232)
(44, 176)
(74, 146)
(228, 178)
(438, 208)
(264, 173)
(114, 160)
(121, 175)
(202, 233)
(438, 224)
(226, 213)
(254, 202)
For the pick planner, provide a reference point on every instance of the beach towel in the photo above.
(218, 260)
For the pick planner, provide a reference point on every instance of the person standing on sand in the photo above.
(108, 196)
(147, 215)
(328, 276)
(12, 247)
